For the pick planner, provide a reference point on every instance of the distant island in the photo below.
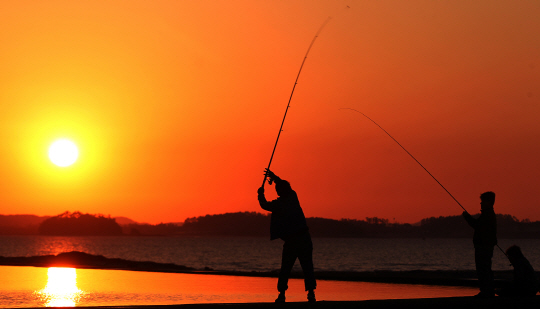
(79, 224)
(255, 224)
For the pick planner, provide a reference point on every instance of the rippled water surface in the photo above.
(260, 254)
(67, 287)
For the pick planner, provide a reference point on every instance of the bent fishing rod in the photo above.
(290, 98)
(425, 169)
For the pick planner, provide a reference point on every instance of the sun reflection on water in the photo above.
(61, 289)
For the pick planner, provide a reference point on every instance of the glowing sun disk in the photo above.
(63, 152)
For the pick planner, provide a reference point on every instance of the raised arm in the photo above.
(470, 219)
(262, 200)
(271, 175)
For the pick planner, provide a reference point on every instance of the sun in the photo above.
(63, 152)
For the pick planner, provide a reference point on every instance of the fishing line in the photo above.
(425, 169)
(290, 98)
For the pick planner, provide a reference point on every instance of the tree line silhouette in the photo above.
(257, 224)
(79, 224)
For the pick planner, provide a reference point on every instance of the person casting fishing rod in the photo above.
(484, 240)
(289, 223)
(485, 227)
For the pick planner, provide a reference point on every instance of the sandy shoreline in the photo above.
(422, 303)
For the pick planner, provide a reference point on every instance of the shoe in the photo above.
(311, 297)
(485, 295)
(280, 298)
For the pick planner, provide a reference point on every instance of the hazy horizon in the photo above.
(127, 218)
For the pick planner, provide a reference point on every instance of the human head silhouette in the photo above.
(514, 253)
(487, 200)
(283, 187)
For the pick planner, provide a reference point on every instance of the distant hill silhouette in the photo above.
(21, 220)
(258, 225)
(29, 224)
(228, 224)
(79, 224)
(20, 224)
(124, 221)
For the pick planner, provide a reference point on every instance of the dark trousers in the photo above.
(482, 258)
(301, 247)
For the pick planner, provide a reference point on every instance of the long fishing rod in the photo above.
(290, 98)
(425, 169)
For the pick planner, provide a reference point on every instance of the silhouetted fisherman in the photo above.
(289, 223)
(525, 282)
(484, 240)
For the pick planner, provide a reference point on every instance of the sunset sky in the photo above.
(175, 106)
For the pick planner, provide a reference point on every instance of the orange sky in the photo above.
(175, 106)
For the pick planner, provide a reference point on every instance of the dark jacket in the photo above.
(485, 228)
(287, 218)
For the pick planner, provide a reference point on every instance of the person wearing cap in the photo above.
(288, 222)
(484, 240)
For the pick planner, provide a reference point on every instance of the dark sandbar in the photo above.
(84, 260)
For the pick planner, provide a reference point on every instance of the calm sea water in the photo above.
(261, 254)
(36, 287)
